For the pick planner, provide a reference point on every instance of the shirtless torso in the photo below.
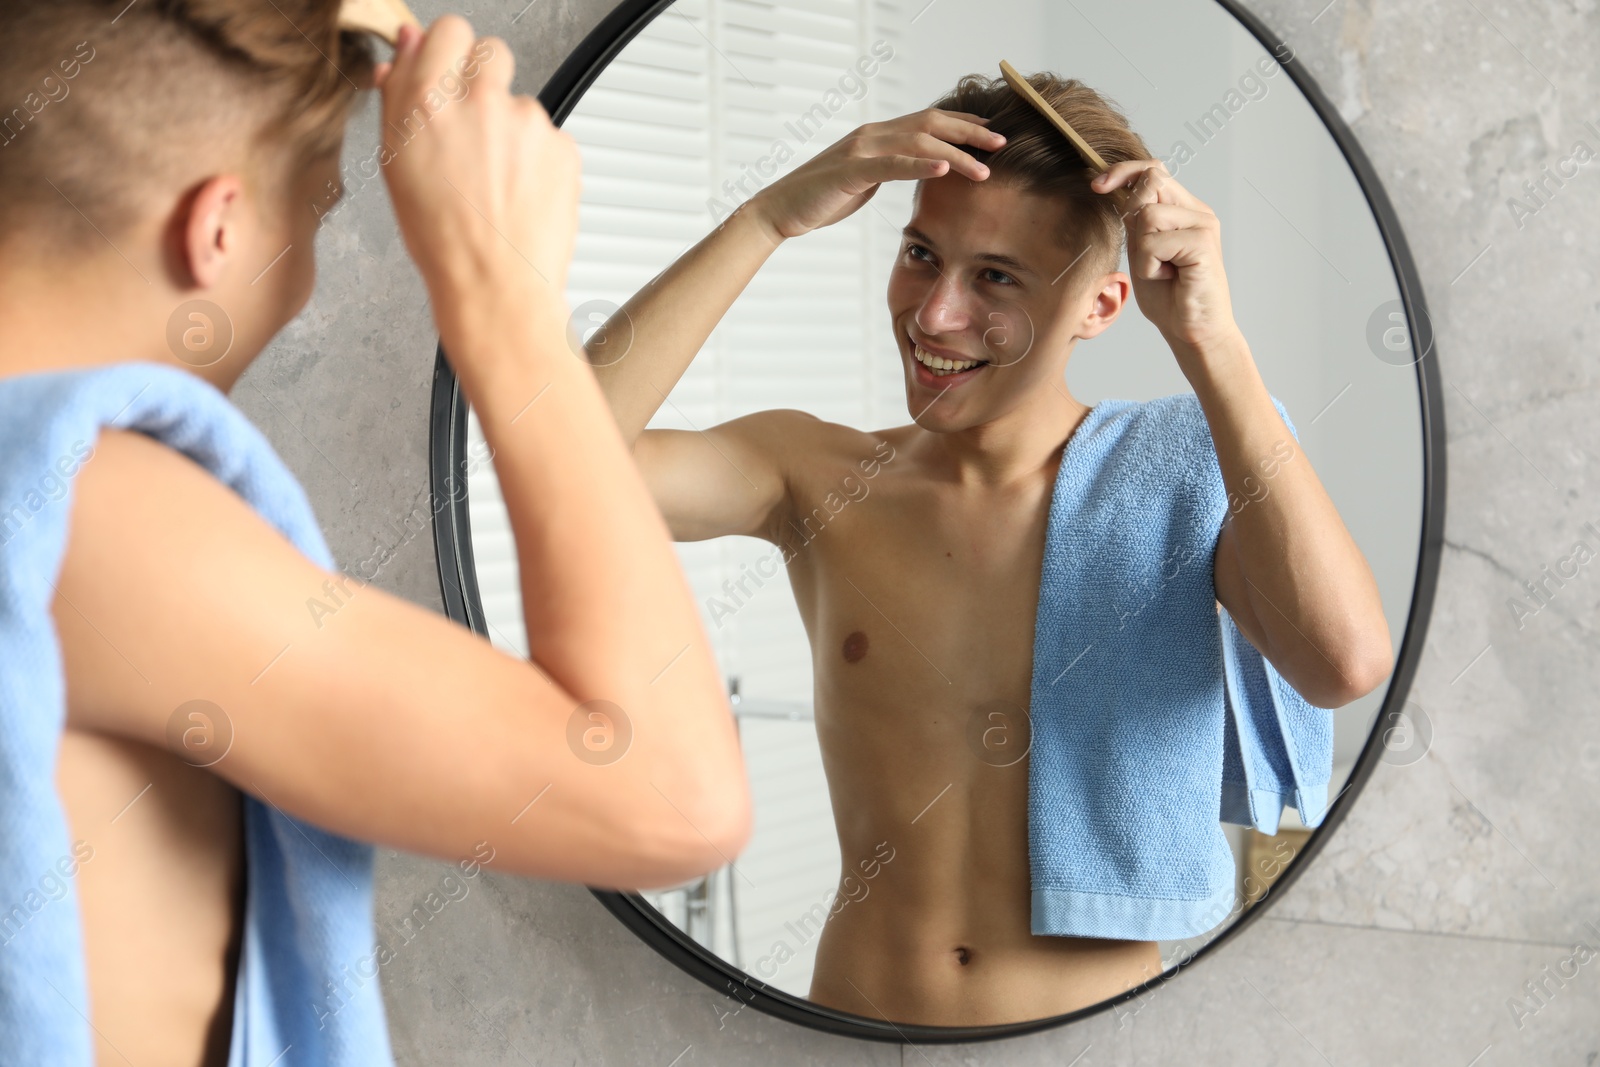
(161, 882)
(919, 597)
(164, 881)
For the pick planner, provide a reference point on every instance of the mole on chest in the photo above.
(855, 646)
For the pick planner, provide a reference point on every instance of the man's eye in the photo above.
(917, 252)
(999, 276)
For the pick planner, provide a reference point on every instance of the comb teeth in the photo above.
(382, 18)
(1021, 87)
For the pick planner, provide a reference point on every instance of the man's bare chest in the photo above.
(908, 590)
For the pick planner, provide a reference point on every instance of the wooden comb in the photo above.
(1021, 87)
(380, 17)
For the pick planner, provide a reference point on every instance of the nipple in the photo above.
(855, 647)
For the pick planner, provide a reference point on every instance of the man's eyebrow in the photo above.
(1011, 263)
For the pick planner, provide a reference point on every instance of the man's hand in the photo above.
(1174, 255)
(485, 187)
(846, 174)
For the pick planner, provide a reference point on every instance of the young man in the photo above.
(920, 605)
(181, 150)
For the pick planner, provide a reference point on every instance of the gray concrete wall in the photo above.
(1454, 881)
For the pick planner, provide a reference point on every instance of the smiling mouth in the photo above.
(940, 366)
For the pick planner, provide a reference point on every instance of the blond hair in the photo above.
(106, 105)
(1038, 158)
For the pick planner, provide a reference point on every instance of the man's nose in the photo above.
(944, 309)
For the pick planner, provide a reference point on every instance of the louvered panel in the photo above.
(636, 133)
(617, 162)
(793, 861)
(636, 196)
(645, 150)
(681, 78)
(838, 24)
(821, 350)
(837, 10)
(666, 117)
(675, 22)
(805, 300)
(783, 59)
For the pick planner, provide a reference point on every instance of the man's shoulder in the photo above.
(809, 439)
(125, 460)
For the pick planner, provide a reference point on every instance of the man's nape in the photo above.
(203, 281)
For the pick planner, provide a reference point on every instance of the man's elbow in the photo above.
(1358, 675)
(722, 823)
(694, 834)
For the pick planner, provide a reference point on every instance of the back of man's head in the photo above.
(111, 111)
(1038, 158)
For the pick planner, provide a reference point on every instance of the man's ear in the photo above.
(1108, 299)
(210, 229)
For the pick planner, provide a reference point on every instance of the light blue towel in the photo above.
(307, 987)
(1153, 718)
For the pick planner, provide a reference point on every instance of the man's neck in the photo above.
(90, 311)
(1013, 447)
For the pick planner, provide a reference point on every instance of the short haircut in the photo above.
(1038, 158)
(108, 108)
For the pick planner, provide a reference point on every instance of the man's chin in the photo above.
(943, 417)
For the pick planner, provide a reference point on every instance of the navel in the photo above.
(855, 647)
(963, 955)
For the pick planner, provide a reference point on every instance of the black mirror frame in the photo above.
(459, 585)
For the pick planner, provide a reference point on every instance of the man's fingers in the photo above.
(1159, 218)
(923, 146)
(948, 126)
(1160, 255)
(969, 116)
(926, 144)
(450, 48)
(497, 63)
(888, 168)
(427, 65)
(1147, 182)
(917, 143)
(420, 65)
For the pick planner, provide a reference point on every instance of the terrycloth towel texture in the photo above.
(1153, 718)
(307, 983)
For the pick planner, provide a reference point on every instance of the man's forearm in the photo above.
(1313, 591)
(665, 324)
(606, 606)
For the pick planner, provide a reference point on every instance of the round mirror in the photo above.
(919, 897)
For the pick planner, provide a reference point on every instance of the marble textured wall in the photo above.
(1454, 881)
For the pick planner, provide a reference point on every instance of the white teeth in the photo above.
(939, 365)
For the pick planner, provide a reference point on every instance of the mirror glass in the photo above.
(714, 99)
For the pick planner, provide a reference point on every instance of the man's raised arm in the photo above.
(727, 479)
(730, 478)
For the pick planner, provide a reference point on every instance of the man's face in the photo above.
(975, 280)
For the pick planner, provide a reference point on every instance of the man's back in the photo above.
(918, 594)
